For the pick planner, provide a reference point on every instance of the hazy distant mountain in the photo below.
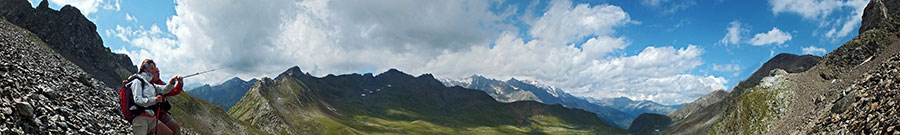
(627, 105)
(620, 111)
(224, 95)
(397, 103)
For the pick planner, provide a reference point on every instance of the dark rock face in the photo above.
(648, 124)
(43, 93)
(880, 14)
(71, 35)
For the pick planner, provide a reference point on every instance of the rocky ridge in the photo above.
(43, 93)
(71, 35)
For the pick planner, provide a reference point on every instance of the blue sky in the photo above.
(661, 50)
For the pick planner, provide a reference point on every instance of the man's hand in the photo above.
(160, 99)
(176, 78)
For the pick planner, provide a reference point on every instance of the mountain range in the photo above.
(619, 111)
(394, 102)
(225, 94)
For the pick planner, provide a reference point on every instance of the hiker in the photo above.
(154, 117)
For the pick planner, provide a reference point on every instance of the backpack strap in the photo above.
(133, 77)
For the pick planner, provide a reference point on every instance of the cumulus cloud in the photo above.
(733, 33)
(774, 36)
(451, 39)
(822, 10)
(562, 23)
(814, 50)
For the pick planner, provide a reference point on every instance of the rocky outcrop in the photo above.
(43, 93)
(880, 14)
(71, 35)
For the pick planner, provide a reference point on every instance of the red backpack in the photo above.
(126, 100)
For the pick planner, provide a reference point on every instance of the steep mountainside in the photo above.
(43, 93)
(201, 117)
(609, 110)
(692, 107)
(850, 91)
(397, 103)
(224, 95)
(698, 116)
(71, 35)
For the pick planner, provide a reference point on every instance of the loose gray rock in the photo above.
(25, 109)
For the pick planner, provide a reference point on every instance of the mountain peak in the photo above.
(293, 71)
(393, 71)
(235, 80)
(426, 76)
(43, 5)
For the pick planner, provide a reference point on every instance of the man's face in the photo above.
(155, 71)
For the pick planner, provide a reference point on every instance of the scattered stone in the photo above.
(24, 109)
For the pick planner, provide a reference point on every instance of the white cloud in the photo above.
(451, 39)
(600, 46)
(822, 10)
(128, 17)
(87, 7)
(733, 33)
(774, 36)
(814, 50)
(809, 9)
(563, 23)
(726, 67)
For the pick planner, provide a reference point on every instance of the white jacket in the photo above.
(146, 96)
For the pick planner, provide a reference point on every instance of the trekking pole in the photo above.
(203, 72)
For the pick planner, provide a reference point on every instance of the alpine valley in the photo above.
(58, 77)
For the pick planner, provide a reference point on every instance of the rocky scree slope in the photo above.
(43, 93)
(873, 109)
(73, 36)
